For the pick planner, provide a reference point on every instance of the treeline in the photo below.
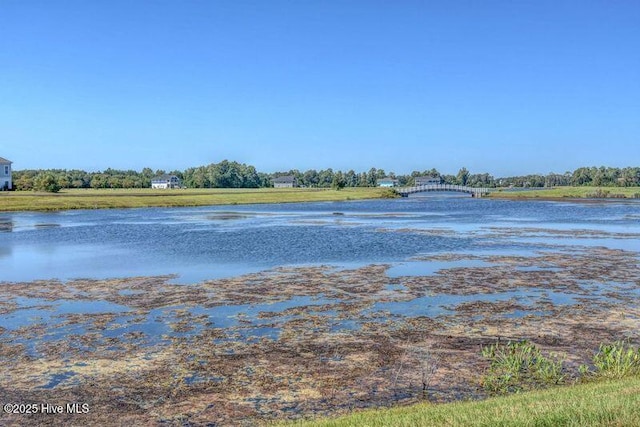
(591, 177)
(329, 178)
(61, 178)
(227, 174)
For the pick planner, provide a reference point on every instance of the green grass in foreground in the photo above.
(137, 198)
(567, 192)
(611, 403)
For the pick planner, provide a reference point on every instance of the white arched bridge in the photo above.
(474, 191)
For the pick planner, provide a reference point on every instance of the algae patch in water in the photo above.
(299, 340)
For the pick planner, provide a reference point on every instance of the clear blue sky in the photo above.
(505, 87)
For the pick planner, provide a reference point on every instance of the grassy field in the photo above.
(568, 192)
(136, 198)
(610, 403)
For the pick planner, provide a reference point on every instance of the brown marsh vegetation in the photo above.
(301, 341)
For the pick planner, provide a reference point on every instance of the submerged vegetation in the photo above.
(324, 340)
(296, 341)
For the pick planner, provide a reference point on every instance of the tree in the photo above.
(338, 181)
(630, 177)
(24, 182)
(463, 176)
(554, 180)
(325, 178)
(362, 180)
(63, 181)
(46, 182)
(310, 178)
(581, 176)
(351, 179)
(250, 176)
(372, 177)
(99, 181)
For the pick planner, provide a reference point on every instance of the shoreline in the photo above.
(595, 194)
(564, 199)
(23, 201)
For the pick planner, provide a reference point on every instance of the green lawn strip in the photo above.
(615, 402)
(136, 198)
(568, 192)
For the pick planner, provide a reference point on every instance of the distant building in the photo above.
(166, 181)
(427, 180)
(5, 174)
(387, 182)
(288, 181)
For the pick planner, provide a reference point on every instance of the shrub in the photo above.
(616, 360)
(388, 193)
(598, 194)
(519, 366)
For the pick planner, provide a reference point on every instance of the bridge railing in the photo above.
(442, 187)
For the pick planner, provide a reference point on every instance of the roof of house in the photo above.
(387, 179)
(3, 160)
(427, 177)
(165, 177)
(284, 179)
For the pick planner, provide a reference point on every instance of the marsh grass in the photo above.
(518, 366)
(569, 192)
(617, 360)
(138, 198)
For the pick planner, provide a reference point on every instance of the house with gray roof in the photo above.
(5, 174)
(427, 180)
(287, 181)
(166, 181)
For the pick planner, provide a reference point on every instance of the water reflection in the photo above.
(6, 225)
(5, 251)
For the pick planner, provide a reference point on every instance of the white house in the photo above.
(427, 180)
(5, 174)
(387, 182)
(285, 181)
(166, 181)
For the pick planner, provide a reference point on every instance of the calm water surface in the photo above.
(212, 242)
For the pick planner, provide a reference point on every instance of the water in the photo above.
(213, 242)
(417, 236)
